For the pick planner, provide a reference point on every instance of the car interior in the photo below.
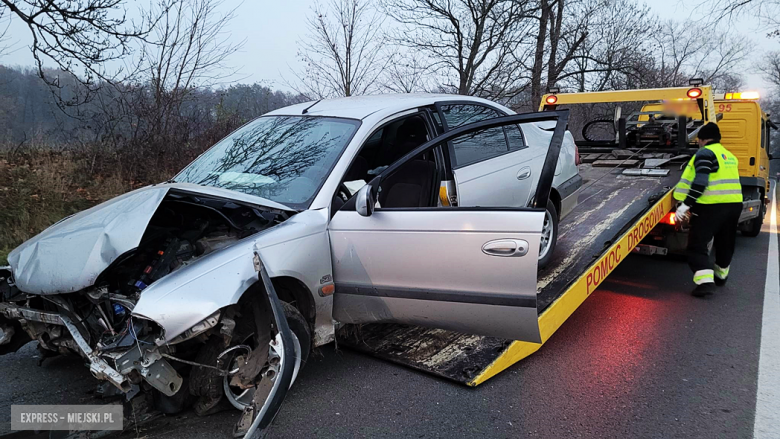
(412, 185)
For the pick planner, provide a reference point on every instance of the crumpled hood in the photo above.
(70, 255)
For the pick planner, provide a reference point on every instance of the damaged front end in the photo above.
(119, 349)
(78, 287)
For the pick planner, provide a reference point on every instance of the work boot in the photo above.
(721, 275)
(703, 290)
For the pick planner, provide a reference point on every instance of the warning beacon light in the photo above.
(752, 95)
(694, 93)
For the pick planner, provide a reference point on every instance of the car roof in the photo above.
(360, 107)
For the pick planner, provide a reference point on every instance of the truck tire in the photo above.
(753, 227)
(549, 235)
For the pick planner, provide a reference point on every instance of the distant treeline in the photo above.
(31, 112)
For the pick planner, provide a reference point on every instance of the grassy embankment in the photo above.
(40, 187)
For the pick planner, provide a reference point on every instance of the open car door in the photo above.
(471, 270)
(282, 360)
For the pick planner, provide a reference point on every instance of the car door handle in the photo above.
(506, 247)
(524, 173)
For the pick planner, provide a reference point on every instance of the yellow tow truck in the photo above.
(666, 122)
(745, 127)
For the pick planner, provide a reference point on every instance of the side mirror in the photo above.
(364, 203)
(771, 157)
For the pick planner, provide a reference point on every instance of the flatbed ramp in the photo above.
(613, 215)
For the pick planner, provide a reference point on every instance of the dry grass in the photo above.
(39, 187)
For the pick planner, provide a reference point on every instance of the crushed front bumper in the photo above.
(144, 361)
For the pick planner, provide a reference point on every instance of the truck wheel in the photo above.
(549, 235)
(753, 227)
(240, 398)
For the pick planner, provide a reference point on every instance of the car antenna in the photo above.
(306, 110)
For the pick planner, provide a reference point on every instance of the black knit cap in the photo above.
(710, 132)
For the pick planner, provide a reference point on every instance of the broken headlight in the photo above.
(201, 327)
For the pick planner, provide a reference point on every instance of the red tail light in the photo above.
(668, 219)
(577, 155)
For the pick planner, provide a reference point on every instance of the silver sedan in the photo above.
(213, 287)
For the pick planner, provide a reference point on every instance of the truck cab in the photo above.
(744, 128)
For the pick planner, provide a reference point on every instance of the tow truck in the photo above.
(622, 209)
(745, 130)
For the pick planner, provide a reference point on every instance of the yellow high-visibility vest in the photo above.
(723, 185)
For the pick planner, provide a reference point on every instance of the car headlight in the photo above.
(199, 328)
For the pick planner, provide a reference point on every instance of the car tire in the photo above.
(302, 331)
(549, 235)
(300, 328)
(177, 403)
(753, 227)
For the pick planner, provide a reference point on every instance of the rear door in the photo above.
(492, 168)
(471, 270)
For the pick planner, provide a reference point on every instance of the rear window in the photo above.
(481, 145)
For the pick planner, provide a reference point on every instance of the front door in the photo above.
(471, 270)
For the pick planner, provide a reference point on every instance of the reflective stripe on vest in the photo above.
(722, 187)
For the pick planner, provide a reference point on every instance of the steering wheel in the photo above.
(344, 192)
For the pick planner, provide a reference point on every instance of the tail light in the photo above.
(577, 160)
(668, 219)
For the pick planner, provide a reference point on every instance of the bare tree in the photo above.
(616, 42)
(770, 68)
(767, 12)
(79, 37)
(156, 112)
(407, 73)
(189, 50)
(563, 27)
(541, 39)
(5, 45)
(686, 50)
(343, 54)
(468, 44)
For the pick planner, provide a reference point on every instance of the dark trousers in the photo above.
(710, 221)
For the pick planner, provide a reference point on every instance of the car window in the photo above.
(478, 146)
(463, 114)
(282, 158)
(514, 136)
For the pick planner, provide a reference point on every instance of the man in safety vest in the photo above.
(712, 197)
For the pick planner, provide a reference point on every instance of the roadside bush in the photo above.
(40, 187)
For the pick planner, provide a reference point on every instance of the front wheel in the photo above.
(241, 398)
(549, 235)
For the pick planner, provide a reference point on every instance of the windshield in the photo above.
(281, 158)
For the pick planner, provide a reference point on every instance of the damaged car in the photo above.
(211, 289)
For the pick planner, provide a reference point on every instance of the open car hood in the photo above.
(71, 254)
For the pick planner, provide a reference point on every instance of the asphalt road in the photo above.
(640, 358)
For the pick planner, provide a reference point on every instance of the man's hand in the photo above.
(682, 214)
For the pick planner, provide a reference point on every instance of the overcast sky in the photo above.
(272, 29)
